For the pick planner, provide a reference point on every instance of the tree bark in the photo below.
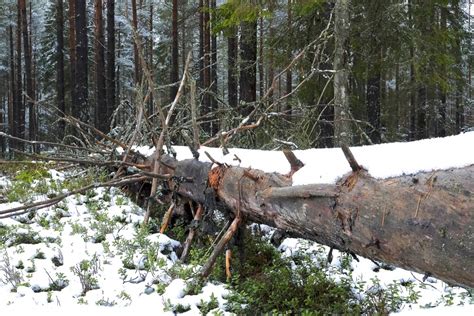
(13, 94)
(174, 52)
(213, 81)
(374, 71)
(232, 49)
(342, 127)
(248, 57)
(206, 71)
(135, 48)
(20, 106)
(30, 95)
(420, 222)
(72, 54)
(289, 51)
(99, 48)
(110, 71)
(60, 100)
(80, 109)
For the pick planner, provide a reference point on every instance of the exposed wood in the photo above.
(167, 218)
(228, 259)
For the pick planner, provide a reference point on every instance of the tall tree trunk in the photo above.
(232, 49)
(60, 99)
(81, 108)
(373, 103)
(374, 74)
(118, 86)
(110, 71)
(289, 49)
(174, 52)
(459, 105)
(30, 96)
(342, 127)
(271, 51)
(20, 106)
(201, 43)
(412, 133)
(412, 129)
(421, 112)
(248, 60)
(150, 55)
(72, 55)
(206, 103)
(213, 81)
(136, 58)
(100, 91)
(441, 113)
(261, 75)
(13, 94)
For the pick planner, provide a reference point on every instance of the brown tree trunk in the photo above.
(100, 91)
(342, 125)
(232, 49)
(20, 106)
(174, 52)
(13, 94)
(261, 76)
(30, 95)
(135, 48)
(150, 56)
(72, 54)
(110, 71)
(421, 222)
(248, 56)
(201, 43)
(213, 81)
(81, 107)
(289, 74)
(60, 65)
(206, 100)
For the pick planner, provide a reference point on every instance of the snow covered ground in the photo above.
(93, 242)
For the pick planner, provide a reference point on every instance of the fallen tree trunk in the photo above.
(421, 222)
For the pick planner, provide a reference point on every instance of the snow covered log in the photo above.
(422, 222)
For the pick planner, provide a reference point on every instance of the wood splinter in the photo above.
(167, 218)
(350, 158)
(228, 259)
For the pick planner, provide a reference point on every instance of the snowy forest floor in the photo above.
(90, 253)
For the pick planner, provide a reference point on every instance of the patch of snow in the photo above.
(329, 164)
